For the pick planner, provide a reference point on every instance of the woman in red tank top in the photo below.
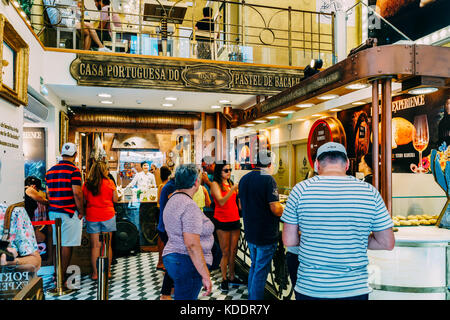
(226, 221)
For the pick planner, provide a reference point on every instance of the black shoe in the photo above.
(224, 285)
(236, 281)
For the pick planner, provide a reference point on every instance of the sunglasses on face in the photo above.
(226, 170)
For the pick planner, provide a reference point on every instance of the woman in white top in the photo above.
(143, 179)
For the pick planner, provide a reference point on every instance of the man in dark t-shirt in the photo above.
(261, 211)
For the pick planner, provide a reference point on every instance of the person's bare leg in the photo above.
(66, 255)
(224, 242)
(234, 239)
(95, 253)
(87, 42)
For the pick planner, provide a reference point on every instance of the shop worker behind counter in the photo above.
(66, 201)
(261, 209)
(339, 218)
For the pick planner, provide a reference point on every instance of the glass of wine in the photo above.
(421, 137)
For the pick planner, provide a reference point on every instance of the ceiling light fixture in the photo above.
(224, 101)
(423, 90)
(249, 124)
(300, 119)
(316, 115)
(287, 112)
(171, 98)
(357, 86)
(328, 97)
(305, 105)
(216, 107)
(335, 110)
(104, 95)
(272, 117)
(167, 105)
(358, 103)
(106, 102)
(260, 121)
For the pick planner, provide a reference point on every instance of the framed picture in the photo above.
(63, 128)
(14, 57)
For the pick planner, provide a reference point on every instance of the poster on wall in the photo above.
(415, 18)
(34, 153)
(420, 123)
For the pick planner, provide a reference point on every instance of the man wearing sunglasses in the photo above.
(261, 211)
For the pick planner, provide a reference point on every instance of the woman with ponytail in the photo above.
(99, 196)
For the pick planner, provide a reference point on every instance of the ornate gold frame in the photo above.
(17, 95)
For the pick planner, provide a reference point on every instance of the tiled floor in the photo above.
(136, 278)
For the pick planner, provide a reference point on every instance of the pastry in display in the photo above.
(414, 222)
(396, 223)
(402, 131)
(405, 223)
(412, 217)
(400, 217)
(424, 222)
(433, 221)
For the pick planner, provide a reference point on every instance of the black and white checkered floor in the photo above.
(136, 278)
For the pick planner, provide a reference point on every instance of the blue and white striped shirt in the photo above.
(335, 215)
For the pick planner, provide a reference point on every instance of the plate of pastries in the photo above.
(415, 220)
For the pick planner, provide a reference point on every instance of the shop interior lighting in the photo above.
(423, 90)
(357, 86)
(328, 97)
(260, 121)
(224, 101)
(358, 103)
(216, 107)
(272, 117)
(249, 124)
(300, 119)
(106, 102)
(305, 105)
(335, 110)
(167, 105)
(171, 98)
(287, 112)
(316, 115)
(104, 95)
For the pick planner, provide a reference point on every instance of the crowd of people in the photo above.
(329, 222)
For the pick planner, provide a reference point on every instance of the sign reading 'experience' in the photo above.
(98, 70)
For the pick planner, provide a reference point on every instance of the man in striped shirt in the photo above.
(66, 201)
(339, 217)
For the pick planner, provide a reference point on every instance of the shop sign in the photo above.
(12, 280)
(112, 71)
(300, 92)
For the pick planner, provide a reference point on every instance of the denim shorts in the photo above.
(101, 226)
(71, 229)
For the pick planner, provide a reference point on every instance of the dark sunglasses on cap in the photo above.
(226, 170)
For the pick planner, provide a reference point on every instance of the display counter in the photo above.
(418, 268)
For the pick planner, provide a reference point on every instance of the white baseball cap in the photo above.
(68, 149)
(331, 147)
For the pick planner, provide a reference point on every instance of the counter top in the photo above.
(427, 234)
(128, 201)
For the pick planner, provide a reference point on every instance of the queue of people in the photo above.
(327, 245)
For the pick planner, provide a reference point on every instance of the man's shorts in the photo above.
(101, 226)
(71, 229)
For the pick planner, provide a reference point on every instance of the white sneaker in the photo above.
(104, 49)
